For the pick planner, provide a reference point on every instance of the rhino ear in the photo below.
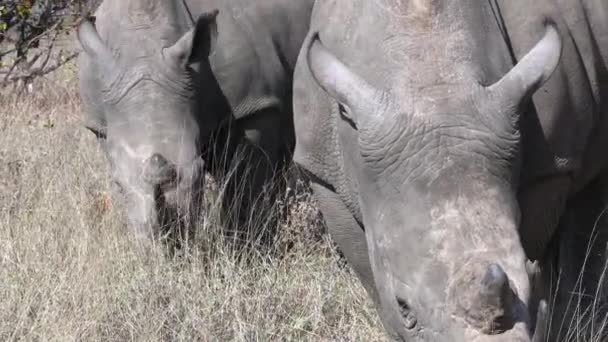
(197, 44)
(339, 81)
(92, 44)
(533, 70)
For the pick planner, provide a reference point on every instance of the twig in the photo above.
(39, 71)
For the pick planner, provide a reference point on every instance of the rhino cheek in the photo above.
(135, 195)
(185, 198)
(415, 247)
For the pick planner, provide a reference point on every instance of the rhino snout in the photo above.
(167, 177)
(178, 189)
(408, 317)
(484, 296)
(482, 305)
(158, 170)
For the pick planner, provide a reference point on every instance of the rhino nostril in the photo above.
(409, 320)
(157, 161)
(158, 170)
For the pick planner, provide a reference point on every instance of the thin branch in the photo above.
(37, 72)
(36, 49)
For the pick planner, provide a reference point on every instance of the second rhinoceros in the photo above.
(172, 88)
(448, 142)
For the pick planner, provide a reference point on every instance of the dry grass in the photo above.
(586, 316)
(68, 270)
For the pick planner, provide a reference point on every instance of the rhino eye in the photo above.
(409, 319)
(117, 186)
(99, 134)
(346, 115)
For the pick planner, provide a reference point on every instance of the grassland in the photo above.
(69, 272)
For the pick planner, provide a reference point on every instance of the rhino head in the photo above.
(151, 117)
(437, 191)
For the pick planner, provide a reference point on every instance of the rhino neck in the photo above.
(141, 27)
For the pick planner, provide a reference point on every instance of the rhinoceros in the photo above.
(455, 149)
(172, 88)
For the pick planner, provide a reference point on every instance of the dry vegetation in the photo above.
(68, 270)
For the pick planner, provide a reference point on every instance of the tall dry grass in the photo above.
(583, 316)
(68, 269)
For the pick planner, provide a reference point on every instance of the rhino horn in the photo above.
(340, 82)
(542, 317)
(158, 170)
(93, 46)
(532, 71)
(532, 268)
(495, 286)
(494, 299)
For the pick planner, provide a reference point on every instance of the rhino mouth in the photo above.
(176, 216)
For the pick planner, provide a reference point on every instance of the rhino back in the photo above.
(570, 106)
(258, 44)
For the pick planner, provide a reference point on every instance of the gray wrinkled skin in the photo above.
(172, 94)
(443, 154)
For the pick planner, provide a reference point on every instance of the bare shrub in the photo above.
(34, 37)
